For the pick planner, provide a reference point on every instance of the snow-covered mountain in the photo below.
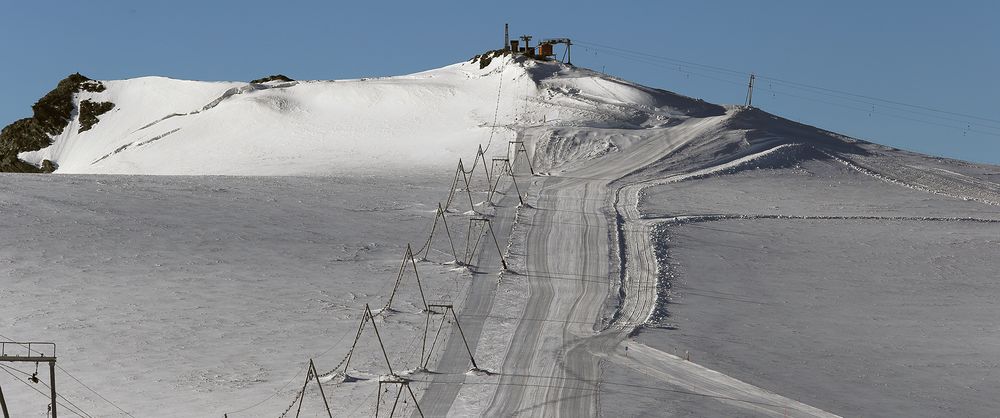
(165, 126)
(668, 255)
(157, 125)
(428, 120)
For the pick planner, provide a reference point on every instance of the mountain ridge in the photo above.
(277, 126)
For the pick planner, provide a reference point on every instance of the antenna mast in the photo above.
(750, 90)
(506, 37)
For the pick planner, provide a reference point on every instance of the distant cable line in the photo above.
(77, 380)
(79, 414)
(714, 72)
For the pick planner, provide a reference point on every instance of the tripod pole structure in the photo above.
(519, 147)
(312, 374)
(408, 256)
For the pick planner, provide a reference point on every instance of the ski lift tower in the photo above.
(567, 57)
(31, 352)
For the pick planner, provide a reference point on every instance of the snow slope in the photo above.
(165, 126)
(589, 272)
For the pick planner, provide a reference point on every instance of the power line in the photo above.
(675, 60)
(299, 372)
(840, 94)
(77, 380)
(683, 69)
(496, 111)
(5, 368)
(47, 386)
(964, 129)
(930, 109)
(94, 391)
(889, 106)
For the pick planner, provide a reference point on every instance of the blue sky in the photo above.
(923, 74)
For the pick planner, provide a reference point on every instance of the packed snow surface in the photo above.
(667, 255)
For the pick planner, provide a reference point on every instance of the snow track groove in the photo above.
(937, 182)
(573, 220)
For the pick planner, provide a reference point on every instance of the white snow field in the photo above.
(669, 257)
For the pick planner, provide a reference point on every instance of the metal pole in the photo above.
(399, 392)
(482, 155)
(479, 236)
(368, 312)
(531, 167)
(506, 37)
(431, 237)
(378, 399)
(420, 287)
(493, 187)
(415, 401)
(302, 394)
(462, 333)
(510, 170)
(468, 239)
(468, 191)
(423, 343)
(502, 261)
(434, 343)
(312, 369)
(444, 220)
(399, 277)
(364, 317)
(3, 404)
(52, 386)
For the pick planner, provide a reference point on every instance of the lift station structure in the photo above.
(544, 50)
